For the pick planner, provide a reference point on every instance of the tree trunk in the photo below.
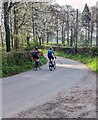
(92, 28)
(67, 28)
(6, 24)
(33, 24)
(43, 39)
(28, 44)
(47, 37)
(2, 40)
(11, 30)
(88, 34)
(40, 41)
(97, 34)
(16, 41)
(76, 32)
(71, 40)
(56, 23)
(57, 36)
(96, 27)
(62, 34)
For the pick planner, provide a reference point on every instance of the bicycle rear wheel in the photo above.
(50, 66)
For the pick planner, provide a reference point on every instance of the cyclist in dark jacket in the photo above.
(35, 53)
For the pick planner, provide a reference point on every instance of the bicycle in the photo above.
(52, 64)
(37, 64)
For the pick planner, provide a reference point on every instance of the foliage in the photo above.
(31, 46)
(86, 15)
(48, 22)
(94, 51)
(17, 62)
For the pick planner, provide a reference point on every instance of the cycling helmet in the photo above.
(36, 48)
(50, 48)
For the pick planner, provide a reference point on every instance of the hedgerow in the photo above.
(17, 62)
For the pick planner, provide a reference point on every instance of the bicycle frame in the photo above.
(52, 64)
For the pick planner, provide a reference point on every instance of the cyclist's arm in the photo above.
(54, 54)
(39, 54)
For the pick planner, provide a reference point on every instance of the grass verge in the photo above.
(90, 61)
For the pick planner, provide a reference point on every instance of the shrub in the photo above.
(17, 62)
(94, 51)
(32, 46)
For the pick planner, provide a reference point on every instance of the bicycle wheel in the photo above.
(50, 66)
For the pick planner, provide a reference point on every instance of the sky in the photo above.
(77, 4)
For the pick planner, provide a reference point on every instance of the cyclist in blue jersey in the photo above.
(50, 54)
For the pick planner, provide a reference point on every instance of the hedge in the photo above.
(17, 62)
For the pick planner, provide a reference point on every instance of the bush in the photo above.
(28, 48)
(94, 51)
(32, 46)
(69, 50)
(16, 62)
(16, 58)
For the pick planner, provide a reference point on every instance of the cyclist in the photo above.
(35, 55)
(51, 55)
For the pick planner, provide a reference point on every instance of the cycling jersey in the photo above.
(35, 54)
(50, 54)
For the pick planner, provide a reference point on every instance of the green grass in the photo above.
(90, 61)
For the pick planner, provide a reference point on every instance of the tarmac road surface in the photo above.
(32, 88)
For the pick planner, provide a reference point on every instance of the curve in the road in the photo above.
(31, 88)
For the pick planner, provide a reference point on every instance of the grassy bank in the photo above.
(90, 61)
(16, 62)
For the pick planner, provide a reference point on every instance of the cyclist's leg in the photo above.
(36, 63)
(36, 59)
(35, 66)
(52, 59)
(49, 57)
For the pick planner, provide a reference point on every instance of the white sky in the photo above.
(77, 4)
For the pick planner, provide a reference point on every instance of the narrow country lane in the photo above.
(31, 88)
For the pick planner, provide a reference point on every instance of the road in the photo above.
(32, 88)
